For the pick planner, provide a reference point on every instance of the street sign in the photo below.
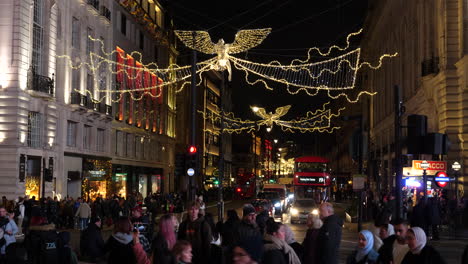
(441, 179)
(433, 168)
(190, 172)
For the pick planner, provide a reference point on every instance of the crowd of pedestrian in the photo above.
(139, 237)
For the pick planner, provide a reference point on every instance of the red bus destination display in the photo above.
(312, 180)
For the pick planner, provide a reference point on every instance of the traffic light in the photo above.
(192, 150)
(48, 175)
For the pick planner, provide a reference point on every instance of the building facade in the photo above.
(60, 131)
(431, 38)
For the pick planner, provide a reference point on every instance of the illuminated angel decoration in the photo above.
(313, 121)
(270, 118)
(243, 41)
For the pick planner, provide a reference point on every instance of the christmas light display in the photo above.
(243, 41)
(318, 121)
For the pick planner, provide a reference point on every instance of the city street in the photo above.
(450, 249)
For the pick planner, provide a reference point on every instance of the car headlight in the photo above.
(315, 212)
(277, 204)
(294, 211)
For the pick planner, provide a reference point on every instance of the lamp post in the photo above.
(425, 166)
(456, 167)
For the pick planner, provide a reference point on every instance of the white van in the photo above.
(282, 190)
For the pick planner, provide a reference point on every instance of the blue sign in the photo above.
(442, 179)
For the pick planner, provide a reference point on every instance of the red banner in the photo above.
(120, 55)
(154, 83)
(130, 78)
(139, 94)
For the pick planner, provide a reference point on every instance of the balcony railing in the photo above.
(79, 99)
(105, 12)
(94, 3)
(40, 83)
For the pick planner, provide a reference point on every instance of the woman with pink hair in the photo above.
(164, 241)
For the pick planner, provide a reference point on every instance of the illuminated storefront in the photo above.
(128, 179)
(96, 178)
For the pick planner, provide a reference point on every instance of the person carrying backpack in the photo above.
(42, 242)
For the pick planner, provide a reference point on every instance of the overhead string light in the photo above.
(120, 66)
(313, 121)
(333, 74)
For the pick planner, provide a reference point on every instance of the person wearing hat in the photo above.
(248, 226)
(91, 242)
(248, 251)
(420, 253)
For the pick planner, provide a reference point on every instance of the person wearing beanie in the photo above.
(248, 227)
(248, 251)
(420, 253)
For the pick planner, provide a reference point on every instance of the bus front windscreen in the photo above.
(311, 167)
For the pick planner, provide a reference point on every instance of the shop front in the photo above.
(128, 179)
(96, 178)
(435, 175)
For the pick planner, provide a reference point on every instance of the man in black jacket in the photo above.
(329, 235)
(196, 231)
(394, 247)
(248, 227)
(91, 243)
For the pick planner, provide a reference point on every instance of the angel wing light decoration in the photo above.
(271, 118)
(243, 41)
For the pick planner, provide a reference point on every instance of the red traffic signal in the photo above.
(192, 150)
(238, 190)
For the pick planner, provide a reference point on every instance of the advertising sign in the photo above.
(416, 170)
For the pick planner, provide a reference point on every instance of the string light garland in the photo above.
(317, 121)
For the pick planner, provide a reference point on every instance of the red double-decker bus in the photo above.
(312, 178)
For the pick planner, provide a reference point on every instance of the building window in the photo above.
(123, 24)
(141, 40)
(75, 33)
(100, 140)
(76, 80)
(38, 37)
(34, 130)
(87, 137)
(90, 85)
(138, 144)
(89, 42)
(71, 133)
(119, 143)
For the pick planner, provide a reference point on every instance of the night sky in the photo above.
(296, 26)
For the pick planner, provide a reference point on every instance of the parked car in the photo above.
(301, 209)
(274, 198)
(264, 204)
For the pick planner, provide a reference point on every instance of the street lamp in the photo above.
(424, 166)
(456, 167)
(275, 140)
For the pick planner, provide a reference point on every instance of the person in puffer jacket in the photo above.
(123, 246)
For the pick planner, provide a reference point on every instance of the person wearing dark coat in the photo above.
(418, 218)
(229, 227)
(164, 241)
(276, 249)
(310, 243)
(196, 231)
(420, 253)
(394, 247)
(248, 226)
(329, 235)
(91, 242)
(433, 217)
